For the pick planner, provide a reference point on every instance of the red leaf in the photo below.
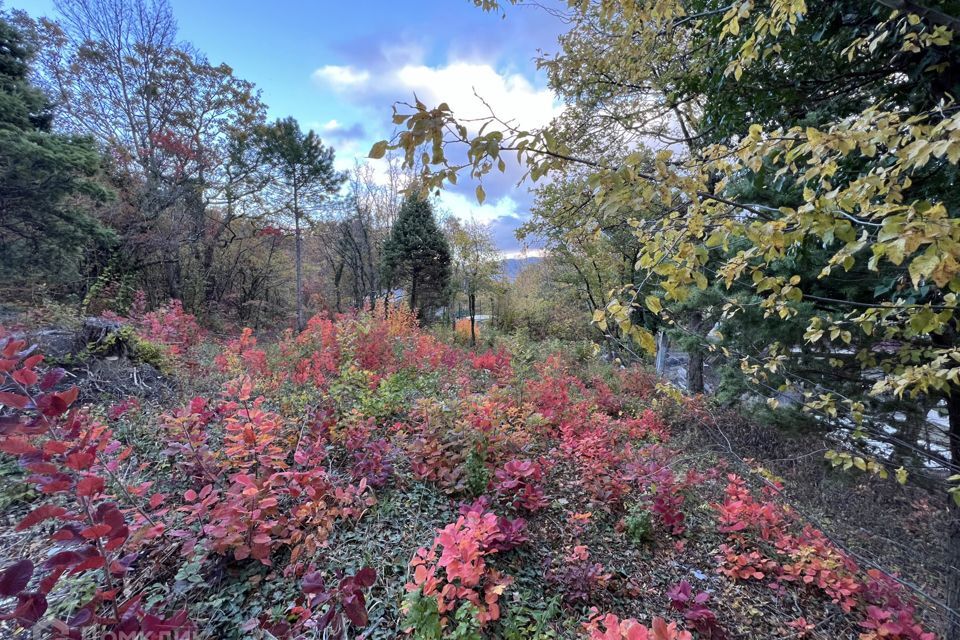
(41, 513)
(80, 460)
(50, 580)
(64, 558)
(69, 533)
(12, 348)
(94, 532)
(17, 446)
(93, 562)
(31, 608)
(244, 479)
(15, 578)
(55, 447)
(14, 400)
(51, 379)
(33, 361)
(356, 609)
(117, 539)
(365, 577)
(313, 583)
(70, 395)
(26, 377)
(51, 404)
(90, 486)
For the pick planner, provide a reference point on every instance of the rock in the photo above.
(54, 343)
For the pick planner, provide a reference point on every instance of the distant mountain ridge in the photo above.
(512, 266)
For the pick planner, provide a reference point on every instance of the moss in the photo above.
(128, 342)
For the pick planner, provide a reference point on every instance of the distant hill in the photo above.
(512, 266)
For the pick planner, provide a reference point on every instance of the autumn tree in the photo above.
(169, 120)
(303, 179)
(475, 264)
(591, 257)
(417, 256)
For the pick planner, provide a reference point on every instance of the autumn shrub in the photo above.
(696, 613)
(372, 456)
(520, 481)
(454, 569)
(610, 627)
(239, 493)
(461, 330)
(73, 460)
(579, 578)
(170, 326)
(766, 542)
(496, 363)
(512, 531)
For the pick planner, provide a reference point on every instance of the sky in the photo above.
(339, 66)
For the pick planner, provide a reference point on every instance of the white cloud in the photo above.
(523, 253)
(341, 77)
(509, 95)
(465, 86)
(466, 208)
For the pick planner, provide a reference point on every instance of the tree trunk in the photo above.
(413, 292)
(953, 524)
(337, 277)
(473, 319)
(663, 344)
(695, 359)
(695, 372)
(299, 261)
(171, 267)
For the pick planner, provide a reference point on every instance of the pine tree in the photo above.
(44, 227)
(417, 256)
(304, 177)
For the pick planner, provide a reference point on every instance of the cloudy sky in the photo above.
(339, 66)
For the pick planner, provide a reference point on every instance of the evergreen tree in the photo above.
(304, 176)
(417, 256)
(44, 226)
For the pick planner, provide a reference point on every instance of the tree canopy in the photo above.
(417, 256)
(46, 178)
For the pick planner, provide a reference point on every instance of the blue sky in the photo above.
(338, 66)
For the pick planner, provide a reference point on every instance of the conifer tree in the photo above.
(43, 225)
(417, 256)
(303, 177)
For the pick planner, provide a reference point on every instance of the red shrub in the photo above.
(454, 569)
(520, 482)
(170, 326)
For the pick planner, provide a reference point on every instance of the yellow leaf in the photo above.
(378, 150)
(901, 474)
(653, 303)
(923, 266)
